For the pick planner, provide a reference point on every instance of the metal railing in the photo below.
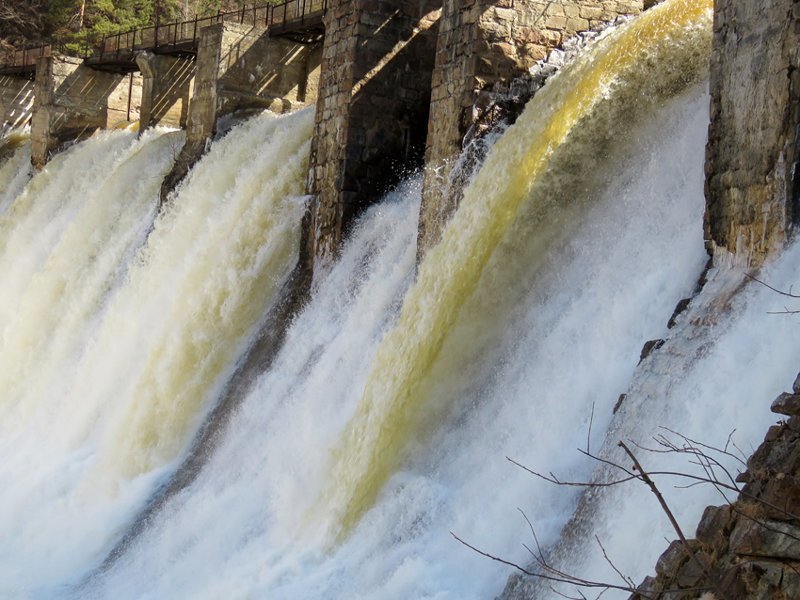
(291, 13)
(186, 33)
(27, 57)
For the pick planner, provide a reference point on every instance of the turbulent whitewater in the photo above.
(114, 343)
(384, 420)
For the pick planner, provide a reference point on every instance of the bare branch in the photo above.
(665, 507)
(776, 290)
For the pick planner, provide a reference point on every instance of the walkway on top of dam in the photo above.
(298, 20)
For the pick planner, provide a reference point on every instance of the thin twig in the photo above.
(665, 507)
(776, 290)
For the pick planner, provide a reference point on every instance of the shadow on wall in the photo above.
(171, 102)
(80, 103)
(258, 71)
(391, 99)
(372, 111)
(16, 101)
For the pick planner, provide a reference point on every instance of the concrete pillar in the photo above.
(70, 102)
(752, 183)
(166, 89)
(202, 115)
(16, 101)
(372, 109)
(238, 67)
(482, 44)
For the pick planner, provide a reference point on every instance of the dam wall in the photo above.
(396, 82)
(483, 43)
(71, 101)
(372, 111)
(16, 101)
(240, 67)
(226, 67)
(166, 88)
(751, 163)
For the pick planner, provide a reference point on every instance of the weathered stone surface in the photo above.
(715, 526)
(674, 554)
(202, 115)
(787, 404)
(482, 44)
(238, 67)
(751, 163)
(374, 96)
(125, 101)
(257, 71)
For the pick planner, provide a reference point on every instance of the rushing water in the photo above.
(383, 422)
(111, 350)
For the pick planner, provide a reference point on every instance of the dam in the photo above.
(287, 289)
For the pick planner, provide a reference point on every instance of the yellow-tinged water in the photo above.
(248, 221)
(13, 140)
(120, 324)
(635, 67)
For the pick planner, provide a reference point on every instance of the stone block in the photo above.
(787, 404)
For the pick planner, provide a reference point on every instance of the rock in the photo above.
(781, 540)
(693, 572)
(746, 539)
(714, 526)
(644, 588)
(787, 404)
(679, 308)
(620, 400)
(796, 384)
(773, 433)
(672, 558)
(772, 539)
(649, 347)
(791, 583)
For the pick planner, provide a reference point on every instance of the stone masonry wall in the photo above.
(202, 114)
(70, 102)
(751, 190)
(16, 101)
(481, 43)
(372, 109)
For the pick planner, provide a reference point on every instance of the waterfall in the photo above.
(610, 83)
(15, 158)
(383, 422)
(115, 342)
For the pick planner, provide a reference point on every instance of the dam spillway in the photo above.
(383, 420)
